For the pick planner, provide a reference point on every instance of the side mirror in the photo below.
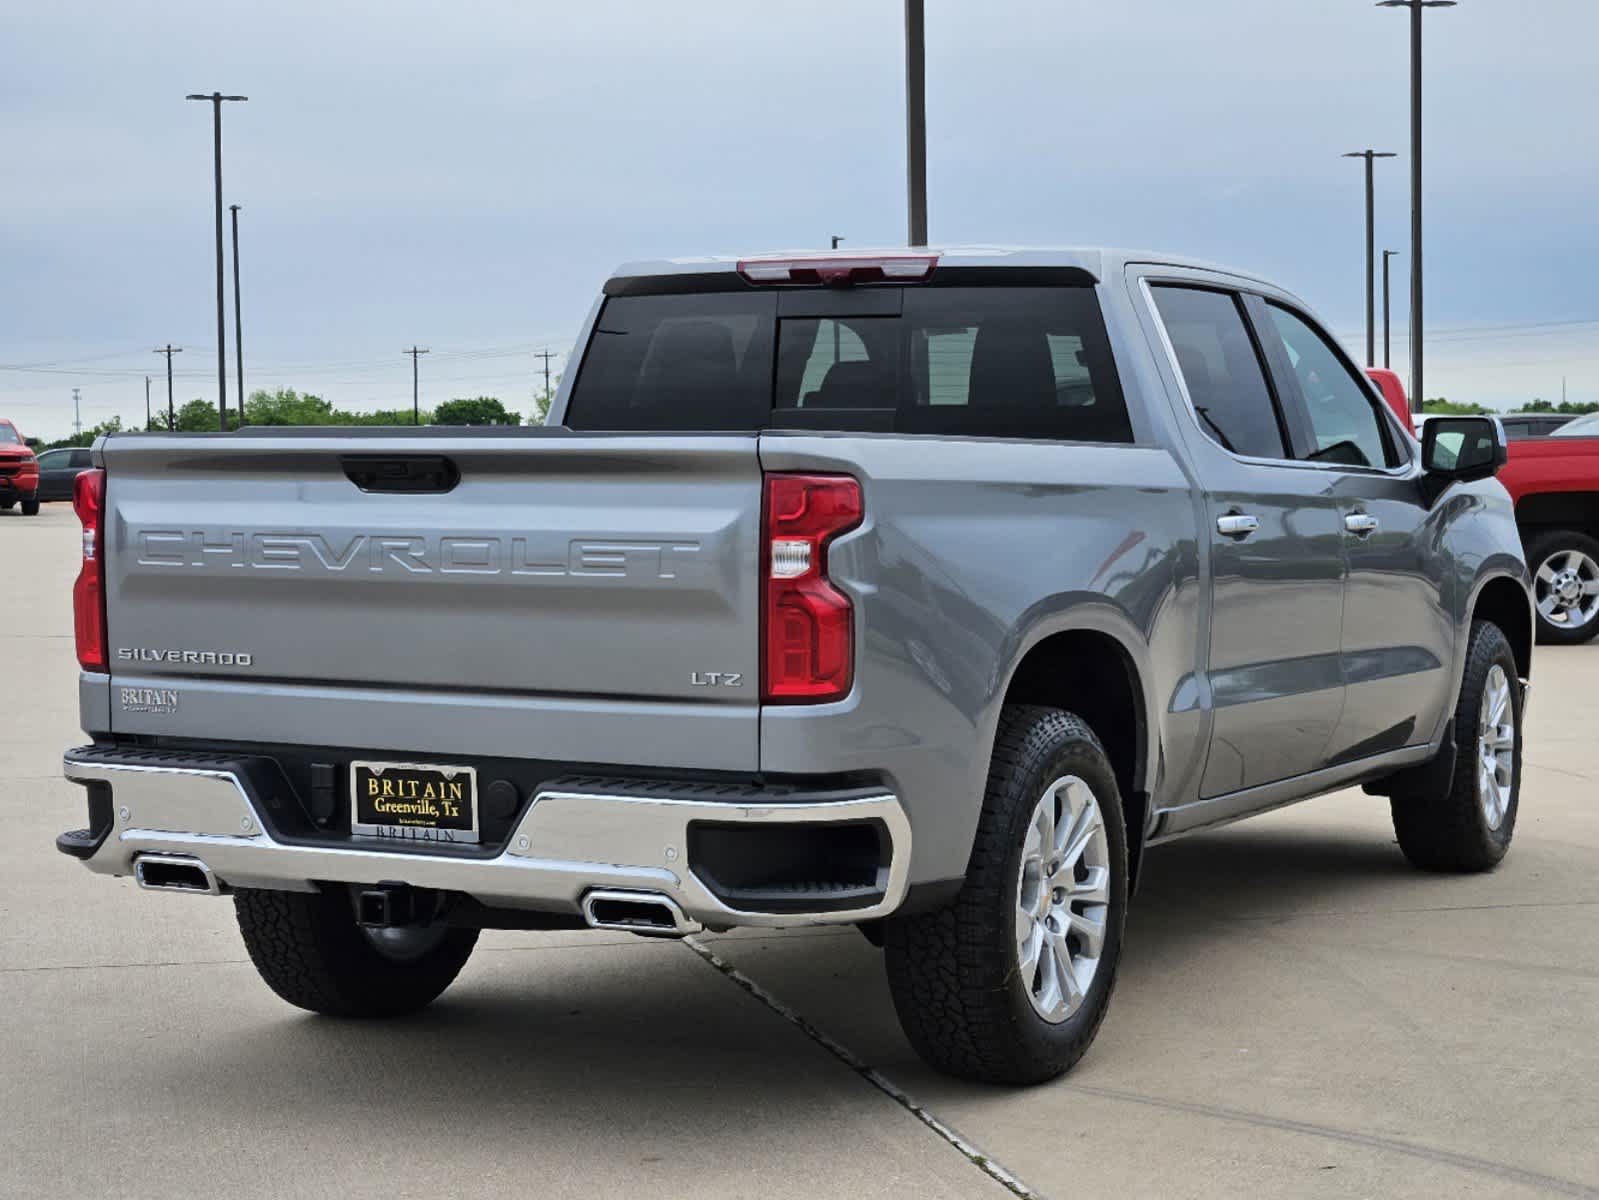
(1460, 449)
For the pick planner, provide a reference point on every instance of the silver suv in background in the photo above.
(916, 591)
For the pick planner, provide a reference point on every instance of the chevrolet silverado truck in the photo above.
(921, 592)
(19, 472)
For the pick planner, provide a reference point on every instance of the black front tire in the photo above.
(1447, 828)
(30, 508)
(1547, 549)
(308, 949)
(954, 973)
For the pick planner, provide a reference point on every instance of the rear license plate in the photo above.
(413, 802)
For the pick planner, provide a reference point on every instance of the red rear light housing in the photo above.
(88, 593)
(838, 270)
(808, 625)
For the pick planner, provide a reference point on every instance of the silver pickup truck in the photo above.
(915, 591)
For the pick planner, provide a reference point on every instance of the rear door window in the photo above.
(1030, 362)
(1222, 371)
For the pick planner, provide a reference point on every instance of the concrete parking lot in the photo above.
(1298, 1013)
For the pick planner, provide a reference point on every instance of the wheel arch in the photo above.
(1091, 661)
(1541, 511)
(1504, 600)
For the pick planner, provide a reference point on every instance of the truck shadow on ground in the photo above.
(648, 1038)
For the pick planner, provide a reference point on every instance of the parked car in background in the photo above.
(19, 471)
(1553, 481)
(57, 470)
(913, 591)
(1520, 426)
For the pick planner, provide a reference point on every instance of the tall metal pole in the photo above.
(1371, 244)
(216, 99)
(416, 353)
(172, 414)
(238, 326)
(1417, 397)
(1387, 329)
(147, 403)
(916, 122)
(77, 417)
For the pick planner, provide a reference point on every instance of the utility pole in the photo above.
(216, 99)
(1386, 328)
(1371, 242)
(1417, 399)
(546, 355)
(77, 420)
(916, 121)
(147, 403)
(837, 238)
(238, 326)
(172, 416)
(416, 353)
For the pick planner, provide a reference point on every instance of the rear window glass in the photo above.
(974, 361)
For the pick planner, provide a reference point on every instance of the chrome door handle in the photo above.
(1237, 525)
(1361, 524)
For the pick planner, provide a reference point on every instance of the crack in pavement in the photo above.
(1467, 1162)
(1013, 1183)
(968, 1150)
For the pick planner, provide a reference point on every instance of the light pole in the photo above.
(1371, 243)
(836, 239)
(216, 99)
(147, 403)
(238, 326)
(916, 122)
(1386, 329)
(1415, 7)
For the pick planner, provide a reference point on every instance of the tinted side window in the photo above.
(53, 458)
(1222, 370)
(1342, 414)
(683, 362)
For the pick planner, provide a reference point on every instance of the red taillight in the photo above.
(88, 593)
(809, 653)
(839, 269)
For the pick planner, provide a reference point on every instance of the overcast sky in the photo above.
(463, 176)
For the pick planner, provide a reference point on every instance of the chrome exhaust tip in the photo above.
(648, 913)
(175, 873)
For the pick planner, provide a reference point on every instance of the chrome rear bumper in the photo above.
(567, 844)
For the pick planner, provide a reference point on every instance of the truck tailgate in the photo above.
(255, 578)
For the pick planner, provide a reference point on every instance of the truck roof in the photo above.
(1097, 261)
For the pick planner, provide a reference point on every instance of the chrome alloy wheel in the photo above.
(1567, 589)
(1062, 898)
(1496, 746)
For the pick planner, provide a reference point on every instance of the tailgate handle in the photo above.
(411, 474)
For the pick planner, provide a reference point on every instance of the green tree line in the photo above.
(286, 407)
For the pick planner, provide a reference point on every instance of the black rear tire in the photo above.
(1550, 549)
(954, 972)
(310, 951)
(7, 505)
(1448, 829)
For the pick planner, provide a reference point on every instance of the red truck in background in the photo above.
(1554, 484)
(19, 471)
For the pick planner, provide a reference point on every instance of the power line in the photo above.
(416, 353)
(172, 417)
(546, 355)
